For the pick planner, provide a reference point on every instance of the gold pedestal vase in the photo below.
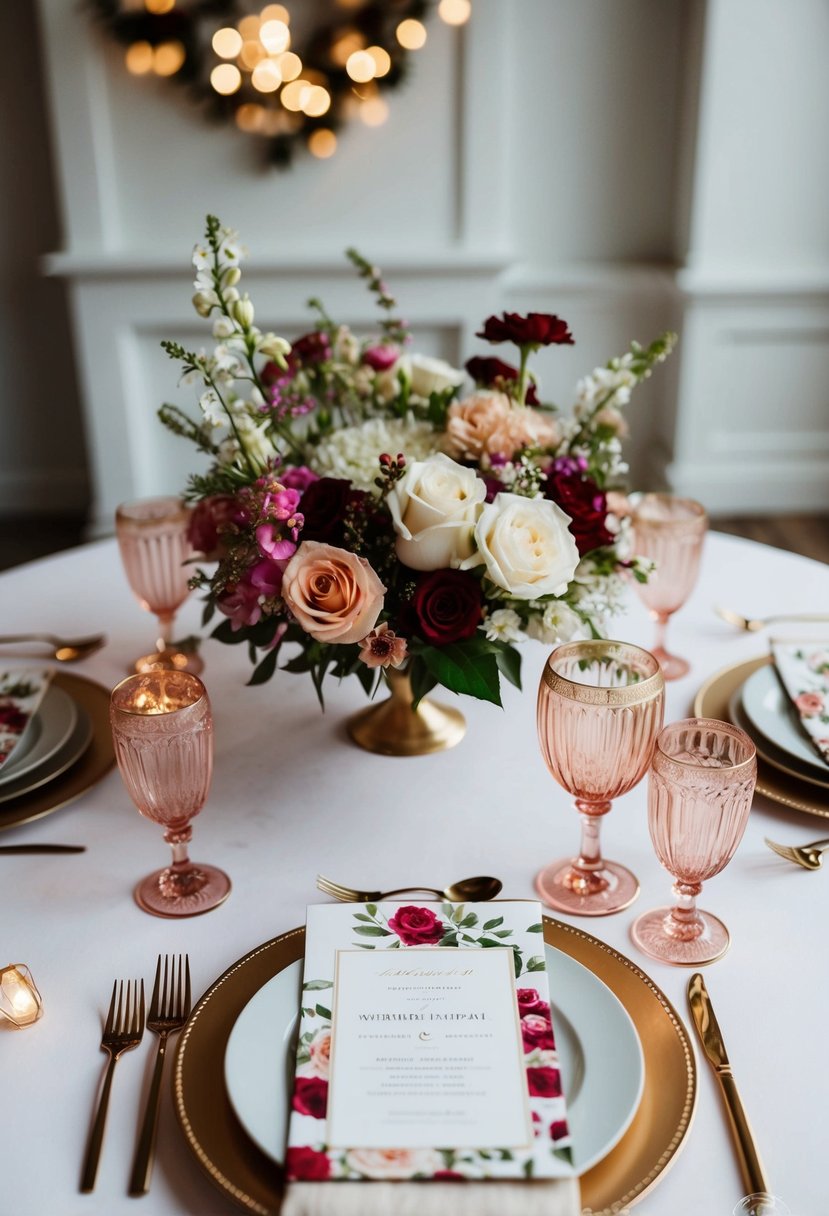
(394, 728)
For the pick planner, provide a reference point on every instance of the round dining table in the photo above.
(292, 797)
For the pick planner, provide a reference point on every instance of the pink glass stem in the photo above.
(165, 625)
(589, 862)
(684, 921)
(661, 619)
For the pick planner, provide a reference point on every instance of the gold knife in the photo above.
(711, 1039)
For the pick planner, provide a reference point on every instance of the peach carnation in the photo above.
(490, 423)
(334, 595)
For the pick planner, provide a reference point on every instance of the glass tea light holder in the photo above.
(20, 1002)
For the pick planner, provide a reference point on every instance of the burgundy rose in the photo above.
(581, 499)
(310, 1096)
(310, 348)
(544, 1082)
(210, 519)
(307, 1164)
(495, 373)
(558, 1129)
(534, 329)
(13, 719)
(447, 605)
(537, 1032)
(416, 926)
(381, 358)
(324, 505)
(448, 1176)
(530, 1002)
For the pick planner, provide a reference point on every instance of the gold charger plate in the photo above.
(712, 701)
(94, 764)
(237, 1167)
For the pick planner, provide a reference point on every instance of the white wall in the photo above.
(546, 156)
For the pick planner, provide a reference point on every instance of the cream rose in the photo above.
(430, 375)
(394, 1163)
(320, 1051)
(526, 546)
(434, 507)
(334, 595)
(489, 422)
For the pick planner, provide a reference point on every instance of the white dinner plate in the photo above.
(51, 727)
(769, 710)
(63, 759)
(600, 1057)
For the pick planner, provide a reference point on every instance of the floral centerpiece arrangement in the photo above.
(362, 503)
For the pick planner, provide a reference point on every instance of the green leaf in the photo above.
(362, 916)
(371, 931)
(469, 921)
(317, 985)
(422, 680)
(509, 662)
(266, 668)
(493, 924)
(516, 958)
(503, 933)
(539, 928)
(457, 914)
(450, 939)
(207, 614)
(323, 1012)
(224, 632)
(487, 941)
(371, 909)
(298, 665)
(536, 963)
(469, 668)
(363, 946)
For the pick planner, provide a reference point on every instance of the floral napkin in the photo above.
(803, 668)
(20, 695)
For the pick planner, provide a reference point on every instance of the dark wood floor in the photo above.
(25, 538)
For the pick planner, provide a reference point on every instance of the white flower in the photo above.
(243, 311)
(226, 359)
(354, 451)
(255, 439)
(212, 409)
(204, 301)
(557, 623)
(434, 507)
(503, 625)
(274, 347)
(526, 546)
(615, 384)
(428, 375)
(346, 347)
(202, 257)
(231, 276)
(223, 327)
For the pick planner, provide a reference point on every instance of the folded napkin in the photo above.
(803, 668)
(21, 692)
(556, 1197)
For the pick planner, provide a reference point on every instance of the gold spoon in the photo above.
(467, 890)
(65, 650)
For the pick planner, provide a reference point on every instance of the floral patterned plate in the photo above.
(590, 1024)
(767, 707)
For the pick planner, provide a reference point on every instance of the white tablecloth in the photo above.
(291, 797)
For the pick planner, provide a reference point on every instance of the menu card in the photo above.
(20, 695)
(803, 669)
(426, 1047)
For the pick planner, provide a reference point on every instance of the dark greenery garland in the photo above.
(192, 23)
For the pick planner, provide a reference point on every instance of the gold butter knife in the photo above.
(710, 1036)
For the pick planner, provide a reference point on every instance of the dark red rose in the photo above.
(495, 373)
(324, 505)
(558, 1130)
(209, 520)
(310, 1096)
(534, 329)
(530, 1002)
(13, 719)
(544, 1082)
(416, 926)
(307, 1164)
(581, 499)
(448, 1176)
(447, 604)
(310, 348)
(537, 1032)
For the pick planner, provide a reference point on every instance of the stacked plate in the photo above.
(789, 769)
(65, 749)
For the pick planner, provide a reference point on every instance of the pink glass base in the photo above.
(200, 889)
(169, 660)
(655, 934)
(604, 891)
(673, 667)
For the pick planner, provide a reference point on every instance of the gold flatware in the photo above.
(123, 1031)
(755, 624)
(42, 848)
(809, 856)
(710, 1036)
(467, 890)
(169, 1010)
(65, 650)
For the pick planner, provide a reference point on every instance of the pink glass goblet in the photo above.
(152, 537)
(600, 708)
(699, 795)
(162, 729)
(670, 531)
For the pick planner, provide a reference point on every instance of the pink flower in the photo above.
(320, 1051)
(209, 520)
(383, 648)
(266, 576)
(272, 544)
(416, 926)
(240, 602)
(537, 1032)
(307, 1164)
(334, 595)
(809, 704)
(490, 423)
(381, 358)
(558, 1129)
(394, 1164)
(310, 1096)
(530, 1002)
(300, 477)
(544, 1082)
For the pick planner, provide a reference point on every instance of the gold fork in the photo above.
(123, 1030)
(810, 856)
(65, 650)
(169, 1010)
(755, 624)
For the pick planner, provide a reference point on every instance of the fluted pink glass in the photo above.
(699, 796)
(600, 708)
(670, 531)
(162, 728)
(152, 537)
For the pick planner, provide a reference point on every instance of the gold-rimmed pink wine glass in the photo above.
(699, 796)
(670, 531)
(162, 728)
(600, 708)
(152, 538)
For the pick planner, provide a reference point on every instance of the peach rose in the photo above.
(810, 704)
(491, 423)
(334, 595)
(394, 1163)
(320, 1051)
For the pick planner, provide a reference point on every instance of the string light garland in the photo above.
(291, 91)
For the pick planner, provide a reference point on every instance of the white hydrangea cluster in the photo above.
(354, 451)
